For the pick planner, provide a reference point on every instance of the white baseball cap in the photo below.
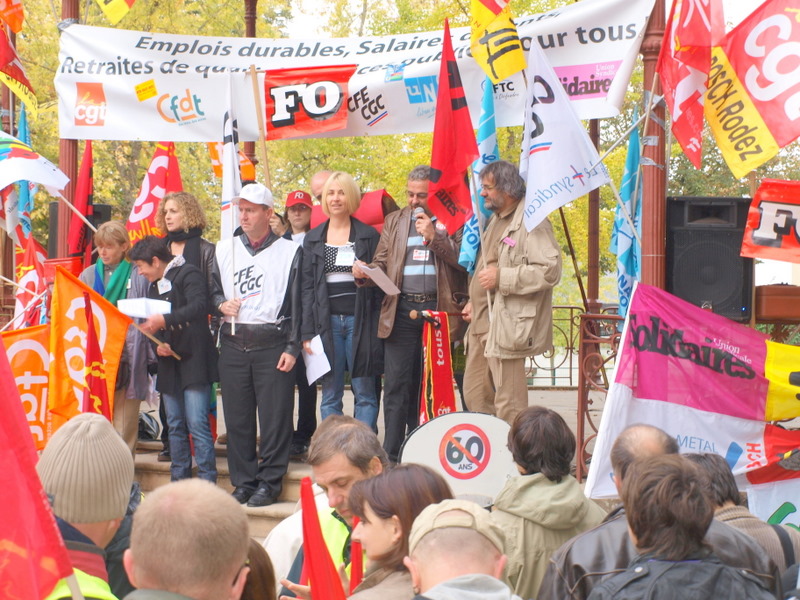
(255, 193)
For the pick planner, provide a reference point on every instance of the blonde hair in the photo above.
(193, 215)
(112, 233)
(352, 192)
(189, 535)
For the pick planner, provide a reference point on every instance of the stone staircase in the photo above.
(151, 474)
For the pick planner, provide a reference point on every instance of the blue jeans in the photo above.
(188, 413)
(366, 408)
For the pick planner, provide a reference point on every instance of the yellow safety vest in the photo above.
(92, 587)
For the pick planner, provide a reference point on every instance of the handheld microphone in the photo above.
(425, 316)
(417, 212)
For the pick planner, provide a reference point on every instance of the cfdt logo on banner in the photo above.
(90, 104)
(307, 100)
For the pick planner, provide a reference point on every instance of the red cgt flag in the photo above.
(162, 177)
(78, 239)
(95, 391)
(32, 554)
(683, 64)
(306, 100)
(318, 563)
(454, 145)
(30, 275)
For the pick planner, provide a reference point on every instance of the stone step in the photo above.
(152, 474)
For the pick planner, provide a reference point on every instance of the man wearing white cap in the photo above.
(86, 470)
(260, 279)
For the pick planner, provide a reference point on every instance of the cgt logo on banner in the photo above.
(29, 356)
(306, 100)
(772, 229)
(90, 104)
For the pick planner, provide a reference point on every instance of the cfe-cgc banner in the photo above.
(114, 84)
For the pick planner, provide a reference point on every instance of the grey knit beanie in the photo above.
(88, 470)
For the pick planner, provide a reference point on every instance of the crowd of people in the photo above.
(241, 313)
(680, 532)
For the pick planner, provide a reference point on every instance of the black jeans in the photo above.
(402, 352)
(306, 404)
(254, 388)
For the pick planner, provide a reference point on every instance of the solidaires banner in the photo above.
(114, 84)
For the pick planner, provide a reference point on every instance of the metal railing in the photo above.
(558, 367)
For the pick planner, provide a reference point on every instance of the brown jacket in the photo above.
(450, 276)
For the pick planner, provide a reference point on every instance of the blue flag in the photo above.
(25, 193)
(487, 147)
(623, 241)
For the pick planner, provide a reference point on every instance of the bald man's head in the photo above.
(639, 441)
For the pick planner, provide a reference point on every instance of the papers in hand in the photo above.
(143, 307)
(316, 362)
(381, 280)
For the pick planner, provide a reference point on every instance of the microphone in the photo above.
(425, 316)
(417, 212)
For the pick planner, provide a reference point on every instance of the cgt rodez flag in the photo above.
(306, 100)
(753, 98)
(709, 382)
(772, 222)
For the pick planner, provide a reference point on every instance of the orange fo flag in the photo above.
(162, 177)
(454, 145)
(28, 352)
(32, 553)
(247, 169)
(68, 343)
(95, 392)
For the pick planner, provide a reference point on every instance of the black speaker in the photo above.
(704, 236)
(102, 213)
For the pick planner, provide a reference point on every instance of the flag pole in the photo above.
(154, 339)
(77, 212)
(574, 258)
(481, 237)
(262, 132)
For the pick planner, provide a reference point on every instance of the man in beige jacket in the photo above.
(511, 298)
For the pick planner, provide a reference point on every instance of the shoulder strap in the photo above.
(786, 544)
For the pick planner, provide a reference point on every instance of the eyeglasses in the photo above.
(487, 188)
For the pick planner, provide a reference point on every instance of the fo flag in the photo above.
(308, 100)
(32, 554)
(162, 177)
(773, 222)
(683, 64)
(753, 98)
(454, 146)
(557, 158)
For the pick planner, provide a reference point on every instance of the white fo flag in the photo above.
(231, 179)
(556, 153)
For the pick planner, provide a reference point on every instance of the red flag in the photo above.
(437, 396)
(13, 75)
(356, 561)
(162, 177)
(322, 573)
(30, 275)
(306, 100)
(95, 392)
(84, 189)
(683, 65)
(772, 222)
(32, 554)
(454, 145)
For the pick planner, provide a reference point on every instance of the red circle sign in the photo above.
(465, 451)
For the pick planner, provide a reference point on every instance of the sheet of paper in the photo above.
(143, 307)
(381, 280)
(316, 362)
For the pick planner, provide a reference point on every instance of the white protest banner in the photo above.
(114, 84)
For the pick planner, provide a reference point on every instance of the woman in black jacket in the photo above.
(345, 316)
(181, 218)
(185, 383)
